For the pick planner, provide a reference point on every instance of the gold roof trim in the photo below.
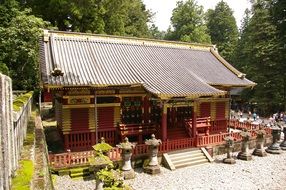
(129, 40)
(227, 65)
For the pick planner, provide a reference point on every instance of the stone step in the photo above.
(193, 163)
(186, 156)
(191, 153)
(197, 163)
(79, 174)
(187, 159)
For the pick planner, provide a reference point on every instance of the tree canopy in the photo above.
(222, 29)
(121, 17)
(19, 37)
(188, 23)
(258, 55)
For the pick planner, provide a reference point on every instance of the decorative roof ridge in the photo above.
(226, 64)
(128, 40)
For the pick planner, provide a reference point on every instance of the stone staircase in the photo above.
(80, 173)
(187, 157)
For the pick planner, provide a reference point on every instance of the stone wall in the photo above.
(6, 130)
(13, 127)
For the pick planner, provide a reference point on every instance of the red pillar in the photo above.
(164, 122)
(92, 138)
(194, 122)
(146, 109)
(66, 138)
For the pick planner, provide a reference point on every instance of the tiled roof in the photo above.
(166, 69)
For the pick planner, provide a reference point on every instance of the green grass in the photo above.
(24, 176)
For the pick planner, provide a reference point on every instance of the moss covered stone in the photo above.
(102, 147)
(21, 100)
(24, 176)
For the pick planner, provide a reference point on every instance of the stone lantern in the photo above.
(274, 148)
(259, 150)
(244, 154)
(153, 166)
(126, 154)
(283, 144)
(229, 146)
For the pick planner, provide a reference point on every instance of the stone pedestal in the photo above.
(126, 158)
(229, 147)
(283, 144)
(153, 166)
(126, 147)
(259, 150)
(244, 154)
(229, 161)
(274, 148)
(152, 169)
(99, 185)
(130, 174)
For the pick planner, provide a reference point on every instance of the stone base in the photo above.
(128, 174)
(152, 170)
(244, 156)
(229, 161)
(259, 152)
(283, 145)
(283, 148)
(273, 151)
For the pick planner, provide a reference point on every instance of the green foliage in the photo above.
(121, 17)
(112, 179)
(19, 36)
(100, 160)
(4, 69)
(222, 29)
(155, 33)
(258, 54)
(24, 176)
(102, 147)
(278, 15)
(188, 23)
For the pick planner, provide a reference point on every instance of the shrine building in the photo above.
(116, 87)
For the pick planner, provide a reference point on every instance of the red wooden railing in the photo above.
(136, 129)
(69, 159)
(79, 140)
(109, 135)
(236, 124)
(177, 144)
(84, 140)
(203, 125)
(218, 125)
(81, 158)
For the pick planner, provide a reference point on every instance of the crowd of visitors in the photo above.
(252, 117)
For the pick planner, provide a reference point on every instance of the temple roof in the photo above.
(166, 69)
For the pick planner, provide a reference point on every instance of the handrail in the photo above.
(201, 123)
(236, 124)
(134, 129)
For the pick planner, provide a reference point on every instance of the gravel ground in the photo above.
(260, 173)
